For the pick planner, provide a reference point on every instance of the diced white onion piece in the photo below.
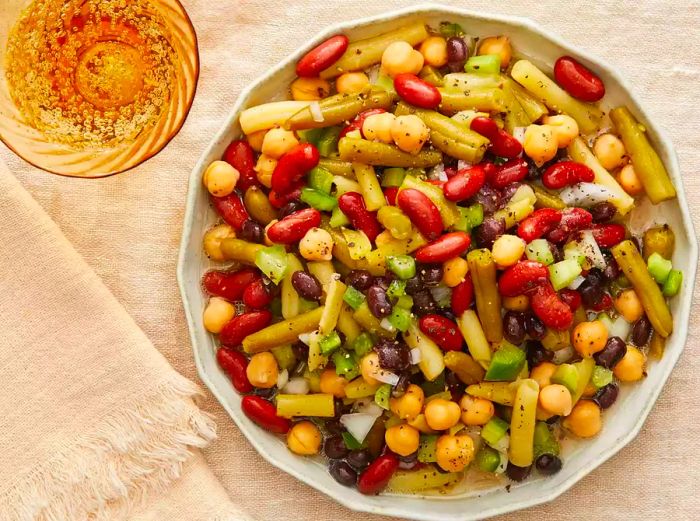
(296, 385)
(648, 215)
(305, 338)
(463, 164)
(369, 406)
(503, 464)
(358, 424)
(387, 325)
(316, 113)
(387, 377)
(621, 328)
(373, 74)
(416, 356)
(437, 171)
(585, 194)
(563, 355)
(576, 282)
(282, 378)
(589, 247)
(502, 444)
(442, 295)
(519, 133)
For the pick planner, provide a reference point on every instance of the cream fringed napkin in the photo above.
(94, 423)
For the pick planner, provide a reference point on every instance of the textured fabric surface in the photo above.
(128, 228)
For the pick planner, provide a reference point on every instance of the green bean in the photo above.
(284, 332)
(522, 423)
(339, 109)
(483, 99)
(331, 307)
(635, 269)
(239, 250)
(657, 345)
(546, 199)
(376, 153)
(455, 148)
(647, 164)
(407, 481)
(371, 189)
(534, 108)
(258, 205)
(464, 366)
(365, 53)
(488, 299)
(661, 240)
(467, 81)
(337, 167)
(292, 405)
(499, 392)
(291, 303)
(448, 127)
(515, 115)
(431, 75)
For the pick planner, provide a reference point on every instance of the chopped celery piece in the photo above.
(386, 83)
(328, 143)
(353, 297)
(358, 243)
(488, 459)
(317, 199)
(544, 441)
(658, 267)
(320, 179)
(381, 397)
(404, 301)
(566, 375)
(427, 448)
(563, 273)
(397, 288)
(601, 376)
(572, 252)
(403, 266)
(393, 176)
(539, 250)
(338, 218)
(449, 29)
(673, 283)
(494, 430)
(345, 364)
(272, 261)
(312, 135)
(484, 64)
(329, 343)
(400, 318)
(469, 217)
(506, 364)
(284, 356)
(363, 344)
(351, 443)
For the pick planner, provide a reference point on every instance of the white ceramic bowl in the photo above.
(622, 422)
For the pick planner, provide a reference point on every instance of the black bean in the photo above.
(307, 285)
(334, 447)
(400, 388)
(517, 473)
(548, 464)
(514, 327)
(489, 230)
(424, 303)
(447, 313)
(607, 395)
(359, 458)
(408, 462)
(382, 282)
(360, 279)
(378, 302)
(592, 289)
(641, 332)
(252, 231)
(301, 351)
(393, 355)
(602, 212)
(615, 348)
(612, 270)
(333, 427)
(454, 385)
(343, 473)
(430, 274)
(457, 53)
(509, 191)
(414, 285)
(265, 393)
(536, 353)
(290, 207)
(535, 327)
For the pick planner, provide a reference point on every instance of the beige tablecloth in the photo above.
(128, 228)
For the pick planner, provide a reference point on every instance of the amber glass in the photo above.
(91, 88)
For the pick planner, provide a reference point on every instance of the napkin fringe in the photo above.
(131, 455)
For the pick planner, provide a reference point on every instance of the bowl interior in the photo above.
(472, 500)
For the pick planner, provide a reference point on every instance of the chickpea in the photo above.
(454, 271)
(589, 391)
(629, 180)
(629, 306)
(268, 242)
(304, 438)
(517, 303)
(278, 142)
(409, 133)
(332, 383)
(262, 370)
(542, 373)
(419, 423)
(408, 406)
(369, 368)
(400, 57)
(540, 143)
(255, 140)
(220, 178)
(213, 238)
(454, 453)
(609, 150)
(264, 168)
(499, 45)
(507, 250)
(217, 314)
(441, 414)
(351, 83)
(556, 399)
(310, 89)
(316, 245)
(476, 411)
(384, 239)
(434, 51)
(377, 127)
(631, 367)
(589, 337)
(584, 420)
(402, 439)
(565, 128)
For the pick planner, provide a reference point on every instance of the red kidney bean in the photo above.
(377, 475)
(578, 80)
(488, 231)
(256, 295)
(240, 326)
(522, 278)
(359, 121)
(353, 206)
(444, 248)
(604, 304)
(513, 171)
(390, 194)
(465, 183)
(572, 220)
(279, 201)
(442, 331)
(571, 297)
(457, 54)
(232, 210)
(550, 309)
(608, 235)
(292, 228)
(307, 285)
(462, 296)
(240, 155)
(417, 92)
(292, 166)
(264, 413)
(234, 365)
(502, 143)
(322, 56)
(422, 211)
(538, 223)
(229, 284)
(566, 173)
